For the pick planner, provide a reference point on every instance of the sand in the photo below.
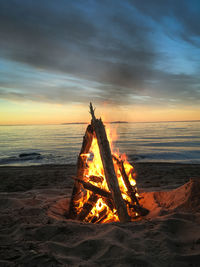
(34, 231)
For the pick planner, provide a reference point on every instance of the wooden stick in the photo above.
(102, 215)
(87, 207)
(96, 179)
(93, 188)
(140, 210)
(81, 164)
(87, 141)
(129, 187)
(109, 203)
(131, 192)
(108, 166)
(108, 197)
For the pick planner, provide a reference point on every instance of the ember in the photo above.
(105, 187)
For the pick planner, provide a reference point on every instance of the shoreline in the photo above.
(132, 162)
(149, 176)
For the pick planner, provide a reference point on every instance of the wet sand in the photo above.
(34, 232)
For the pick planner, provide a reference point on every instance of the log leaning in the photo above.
(108, 166)
(81, 164)
(131, 192)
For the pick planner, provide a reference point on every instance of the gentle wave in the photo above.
(60, 144)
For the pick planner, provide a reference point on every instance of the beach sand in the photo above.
(34, 231)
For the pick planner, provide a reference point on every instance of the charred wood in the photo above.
(131, 191)
(87, 207)
(102, 215)
(96, 179)
(108, 166)
(96, 190)
(81, 164)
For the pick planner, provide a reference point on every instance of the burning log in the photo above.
(109, 203)
(140, 210)
(108, 166)
(81, 164)
(101, 217)
(94, 189)
(131, 189)
(132, 192)
(87, 207)
(96, 179)
(126, 181)
(102, 191)
(87, 141)
(107, 196)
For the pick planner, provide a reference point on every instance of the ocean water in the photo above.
(60, 144)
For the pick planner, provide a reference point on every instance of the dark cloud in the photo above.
(185, 13)
(68, 39)
(107, 42)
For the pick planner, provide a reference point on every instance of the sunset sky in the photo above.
(135, 60)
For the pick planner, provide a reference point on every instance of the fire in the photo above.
(103, 211)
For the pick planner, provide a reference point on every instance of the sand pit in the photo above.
(34, 231)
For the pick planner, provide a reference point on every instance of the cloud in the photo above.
(183, 13)
(107, 45)
(68, 39)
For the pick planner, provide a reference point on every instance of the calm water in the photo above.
(60, 144)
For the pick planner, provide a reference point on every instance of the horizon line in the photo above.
(111, 122)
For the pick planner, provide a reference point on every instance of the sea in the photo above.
(176, 142)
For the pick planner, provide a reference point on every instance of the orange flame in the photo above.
(95, 169)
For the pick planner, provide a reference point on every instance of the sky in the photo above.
(134, 60)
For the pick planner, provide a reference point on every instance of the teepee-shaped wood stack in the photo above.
(113, 197)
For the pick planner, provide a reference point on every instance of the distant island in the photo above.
(111, 122)
(66, 123)
(118, 122)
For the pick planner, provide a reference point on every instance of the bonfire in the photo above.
(105, 186)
